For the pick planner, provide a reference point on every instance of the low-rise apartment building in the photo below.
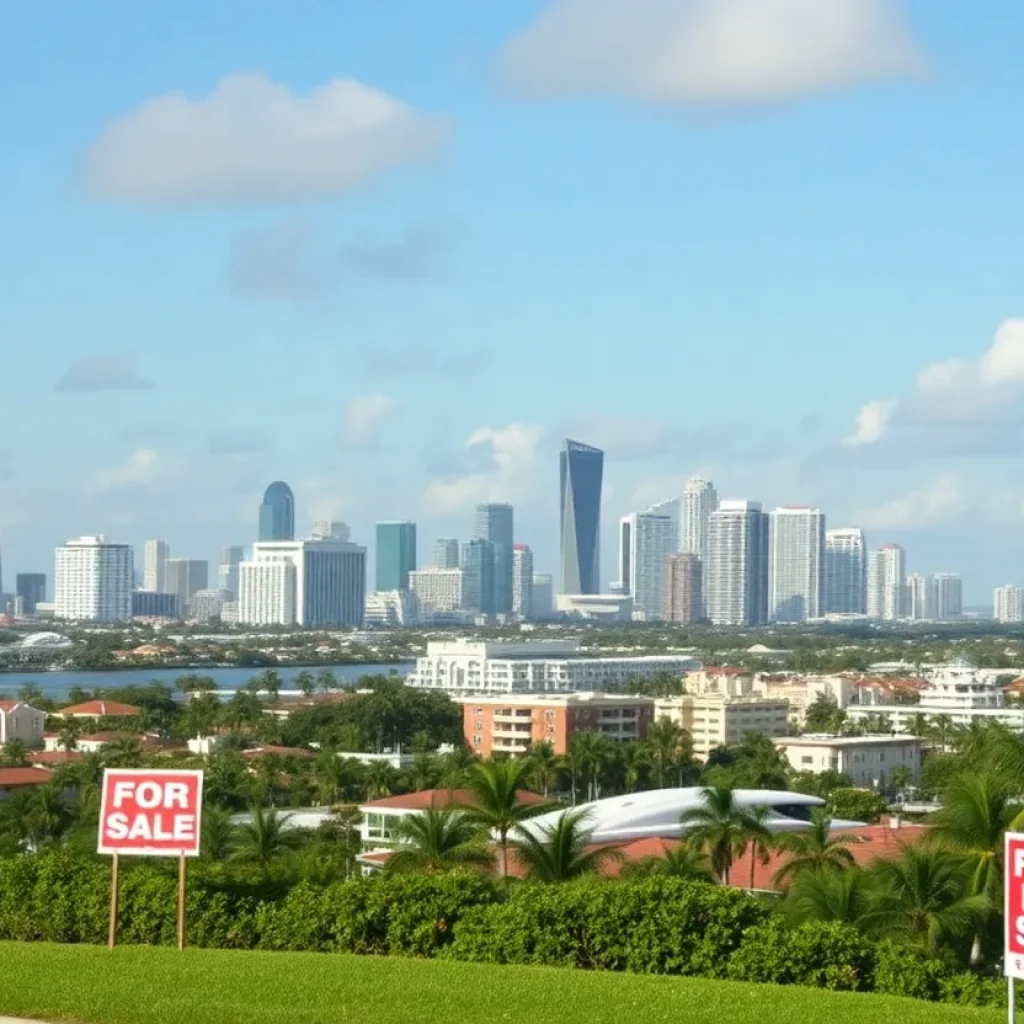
(21, 722)
(510, 724)
(868, 760)
(717, 720)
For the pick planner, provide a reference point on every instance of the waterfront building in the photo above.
(700, 501)
(845, 572)
(154, 566)
(796, 548)
(736, 577)
(93, 580)
(646, 542)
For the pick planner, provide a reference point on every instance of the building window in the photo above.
(806, 759)
(476, 738)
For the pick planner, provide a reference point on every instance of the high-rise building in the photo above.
(681, 589)
(396, 554)
(522, 581)
(673, 508)
(542, 595)
(277, 513)
(645, 544)
(154, 566)
(328, 529)
(736, 577)
(886, 583)
(185, 576)
(948, 596)
(1008, 604)
(31, 588)
(494, 523)
(230, 559)
(921, 597)
(478, 576)
(700, 501)
(845, 572)
(446, 553)
(438, 590)
(327, 580)
(796, 549)
(148, 604)
(93, 581)
(581, 469)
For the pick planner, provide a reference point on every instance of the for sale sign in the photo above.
(1014, 953)
(151, 812)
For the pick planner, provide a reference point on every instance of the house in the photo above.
(868, 760)
(99, 709)
(21, 722)
(54, 758)
(15, 780)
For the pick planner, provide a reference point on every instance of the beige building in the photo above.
(868, 760)
(800, 692)
(716, 720)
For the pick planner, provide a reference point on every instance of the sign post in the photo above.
(150, 812)
(1013, 952)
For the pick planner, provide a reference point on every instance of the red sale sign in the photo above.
(151, 812)
(1014, 906)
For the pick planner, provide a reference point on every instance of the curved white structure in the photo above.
(656, 813)
(45, 640)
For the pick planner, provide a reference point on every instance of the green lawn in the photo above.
(140, 985)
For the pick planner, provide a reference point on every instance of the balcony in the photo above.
(515, 717)
(513, 733)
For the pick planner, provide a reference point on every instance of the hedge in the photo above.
(652, 925)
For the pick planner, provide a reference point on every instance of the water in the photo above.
(57, 684)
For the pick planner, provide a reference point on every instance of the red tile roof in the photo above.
(441, 798)
(269, 750)
(100, 709)
(24, 777)
(47, 758)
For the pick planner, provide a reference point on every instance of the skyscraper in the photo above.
(277, 513)
(886, 587)
(31, 588)
(796, 548)
(1008, 604)
(477, 565)
(184, 577)
(396, 554)
(645, 544)
(154, 566)
(948, 596)
(921, 603)
(93, 580)
(542, 595)
(581, 469)
(700, 500)
(230, 559)
(494, 523)
(736, 577)
(681, 589)
(845, 572)
(446, 553)
(522, 581)
(673, 508)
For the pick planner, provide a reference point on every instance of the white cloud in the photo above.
(700, 52)
(141, 469)
(871, 422)
(942, 501)
(956, 406)
(253, 140)
(512, 456)
(365, 415)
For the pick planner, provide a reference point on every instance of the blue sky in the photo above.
(771, 241)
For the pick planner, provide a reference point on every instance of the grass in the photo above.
(146, 985)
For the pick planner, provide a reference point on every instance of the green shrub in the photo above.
(901, 971)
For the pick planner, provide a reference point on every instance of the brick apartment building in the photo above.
(509, 724)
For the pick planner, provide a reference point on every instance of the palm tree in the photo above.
(325, 680)
(902, 778)
(590, 752)
(720, 825)
(305, 682)
(760, 838)
(30, 693)
(496, 806)
(847, 897)
(664, 740)
(940, 729)
(437, 839)
(977, 811)
(329, 773)
(815, 850)
(125, 752)
(265, 837)
(917, 725)
(423, 772)
(14, 753)
(559, 852)
(543, 767)
(50, 815)
(635, 759)
(686, 859)
(219, 834)
(924, 898)
(70, 730)
(380, 777)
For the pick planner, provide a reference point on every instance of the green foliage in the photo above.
(856, 805)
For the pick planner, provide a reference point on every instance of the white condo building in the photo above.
(921, 603)
(736, 576)
(673, 508)
(154, 566)
(646, 542)
(522, 581)
(438, 590)
(796, 548)
(886, 586)
(327, 583)
(93, 581)
(700, 501)
(1008, 604)
(472, 666)
(845, 586)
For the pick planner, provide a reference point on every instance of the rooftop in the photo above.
(821, 739)
(438, 798)
(100, 709)
(24, 777)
